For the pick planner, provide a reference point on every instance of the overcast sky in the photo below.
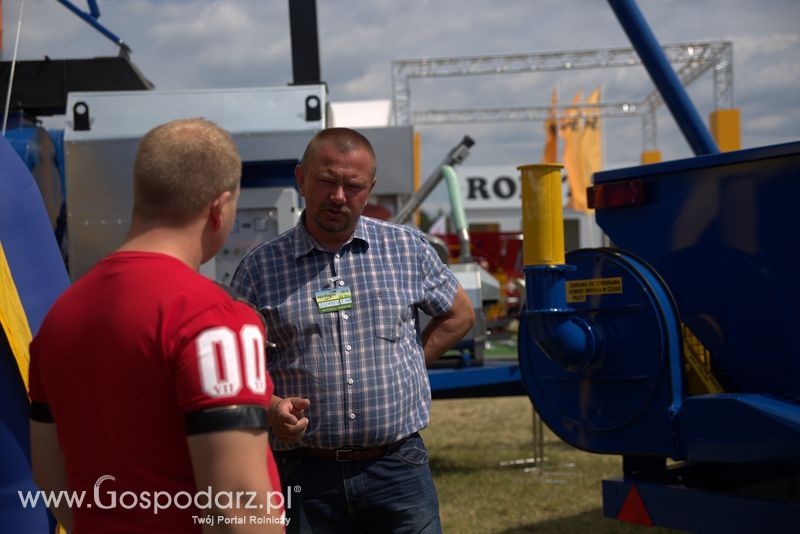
(181, 44)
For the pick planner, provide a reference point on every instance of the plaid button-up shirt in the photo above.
(363, 368)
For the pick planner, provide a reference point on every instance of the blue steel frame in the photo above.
(92, 18)
(657, 65)
(494, 378)
(672, 503)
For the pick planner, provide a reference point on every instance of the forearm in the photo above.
(49, 472)
(62, 513)
(440, 335)
(53, 483)
(272, 411)
(273, 403)
(446, 330)
(234, 464)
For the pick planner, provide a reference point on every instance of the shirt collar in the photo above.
(304, 243)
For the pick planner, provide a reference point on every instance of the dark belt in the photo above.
(355, 455)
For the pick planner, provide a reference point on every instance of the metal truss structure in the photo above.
(691, 60)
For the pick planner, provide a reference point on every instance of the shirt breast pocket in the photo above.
(390, 314)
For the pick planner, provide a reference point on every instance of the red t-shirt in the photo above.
(120, 360)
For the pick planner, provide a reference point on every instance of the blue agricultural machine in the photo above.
(675, 348)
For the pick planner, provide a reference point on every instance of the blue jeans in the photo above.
(392, 494)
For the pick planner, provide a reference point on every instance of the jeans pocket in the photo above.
(413, 452)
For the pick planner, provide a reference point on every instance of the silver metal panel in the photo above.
(263, 214)
(468, 275)
(266, 124)
(278, 145)
(394, 150)
(131, 114)
(99, 199)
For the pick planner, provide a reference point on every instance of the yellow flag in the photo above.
(570, 127)
(550, 153)
(591, 143)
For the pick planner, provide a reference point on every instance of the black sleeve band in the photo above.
(234, 417)
(40, 412)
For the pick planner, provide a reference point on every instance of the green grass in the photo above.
(467, 440)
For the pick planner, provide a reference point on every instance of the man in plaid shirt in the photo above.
(340, 294)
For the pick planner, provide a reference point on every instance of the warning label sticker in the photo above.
(578, 289)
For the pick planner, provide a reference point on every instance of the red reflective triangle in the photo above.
(633, 509)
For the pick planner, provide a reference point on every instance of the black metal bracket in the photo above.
(80, 117)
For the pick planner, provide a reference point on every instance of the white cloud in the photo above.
(193, 22)
(748, 47)
(368, 84)
(216, 43)
(767, 123)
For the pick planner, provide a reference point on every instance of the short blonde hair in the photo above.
(181, 167)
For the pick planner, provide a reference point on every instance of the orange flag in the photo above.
(550, 153)
(591, 141)
(570, 127)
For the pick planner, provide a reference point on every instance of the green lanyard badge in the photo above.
(331, 300)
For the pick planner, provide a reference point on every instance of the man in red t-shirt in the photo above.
(148, 382)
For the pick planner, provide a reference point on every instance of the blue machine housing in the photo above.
(719, 230)
(618, 395)
(713, 247)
